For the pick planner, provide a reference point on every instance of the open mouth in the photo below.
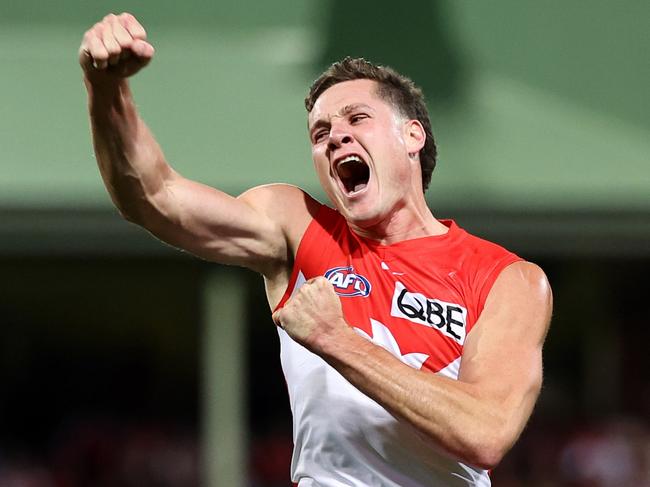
(354, 173)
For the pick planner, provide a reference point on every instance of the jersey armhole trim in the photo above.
(305, 241)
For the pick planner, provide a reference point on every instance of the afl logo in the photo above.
(348, 284)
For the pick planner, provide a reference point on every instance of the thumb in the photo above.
(140, 55)
(143, 49)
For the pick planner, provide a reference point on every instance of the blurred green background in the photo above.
(551, 108)
(542, 117)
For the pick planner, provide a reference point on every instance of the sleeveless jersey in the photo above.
(418, 299)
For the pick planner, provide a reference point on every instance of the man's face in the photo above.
(360, 147)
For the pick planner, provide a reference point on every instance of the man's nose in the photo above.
(338, 137)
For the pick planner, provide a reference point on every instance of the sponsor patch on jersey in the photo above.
(448, 318)
(347, 283)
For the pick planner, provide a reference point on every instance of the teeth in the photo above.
(350, 159)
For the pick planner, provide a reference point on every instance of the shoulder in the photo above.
(287, 206)
(478, 245)
(523, 290)
(522, 280)
(275, 192)
(525, 275)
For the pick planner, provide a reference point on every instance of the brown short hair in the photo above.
(396, 89)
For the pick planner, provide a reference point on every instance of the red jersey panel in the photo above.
(428, 292)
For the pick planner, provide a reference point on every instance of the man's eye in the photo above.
(319, 135)
(358, 117)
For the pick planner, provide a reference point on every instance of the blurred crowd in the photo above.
(610, 453)
(108, 454)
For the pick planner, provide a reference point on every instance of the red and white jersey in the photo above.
(418, 299)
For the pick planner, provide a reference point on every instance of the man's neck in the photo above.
(405, 223)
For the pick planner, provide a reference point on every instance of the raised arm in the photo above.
(476, 418)
(255, 230)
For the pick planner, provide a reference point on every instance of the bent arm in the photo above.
(256, 230)
(478, 417)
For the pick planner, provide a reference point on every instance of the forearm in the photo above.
(130, 160)
(468, 423)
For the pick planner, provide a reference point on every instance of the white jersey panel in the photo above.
(342, 438)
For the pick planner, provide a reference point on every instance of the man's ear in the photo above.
(414, 136)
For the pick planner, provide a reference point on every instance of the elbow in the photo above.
(142, 209)
(480, 449)
(142, 200)
(130, 212)
(130, 204)
(487, 457)
(487, 452)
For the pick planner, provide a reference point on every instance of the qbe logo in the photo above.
(347, 283)
(448, 318)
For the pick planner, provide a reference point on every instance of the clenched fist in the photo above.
(313, 314)
(114, 48)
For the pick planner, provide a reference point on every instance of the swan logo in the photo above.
(348, 284)
(383, 337)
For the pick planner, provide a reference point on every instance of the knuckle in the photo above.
(113, 48)
(128, 19)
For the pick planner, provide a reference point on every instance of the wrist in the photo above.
(107, 93)
(338, 341)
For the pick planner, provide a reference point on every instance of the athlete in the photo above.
(412, 350)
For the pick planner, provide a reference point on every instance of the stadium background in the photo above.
(125, 362)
